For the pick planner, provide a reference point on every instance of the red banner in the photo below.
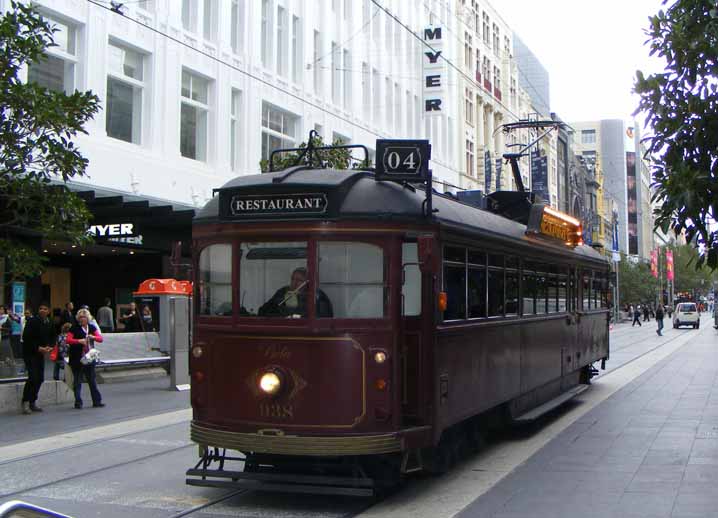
(654, 263)
(669, 264)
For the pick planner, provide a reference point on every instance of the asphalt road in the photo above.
(129, 459)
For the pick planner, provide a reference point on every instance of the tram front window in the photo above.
(352, 277)
(273, 279)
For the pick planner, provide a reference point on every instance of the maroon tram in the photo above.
(344, 335)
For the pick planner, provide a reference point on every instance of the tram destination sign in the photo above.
(551, 223)
(402, 160)
(264, 205)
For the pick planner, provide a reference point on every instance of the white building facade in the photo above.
(195, 92)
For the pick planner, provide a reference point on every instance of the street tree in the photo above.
(681, 109)
(687, 278)
(341, 158)
(38, 154)
(636, 284)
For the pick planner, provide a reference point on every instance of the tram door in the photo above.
(412, 338)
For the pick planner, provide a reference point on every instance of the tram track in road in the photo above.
(89, 472)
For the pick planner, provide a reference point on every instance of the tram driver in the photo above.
(292, 299)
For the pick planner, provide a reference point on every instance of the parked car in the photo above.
(686, 314)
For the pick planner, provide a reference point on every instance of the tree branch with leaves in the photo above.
(37, 149)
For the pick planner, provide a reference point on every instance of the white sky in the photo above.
(591, 50)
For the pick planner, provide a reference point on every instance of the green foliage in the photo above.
(334, 158)
(681, 105)
(635, 283)
(687, 277)
(37, 128)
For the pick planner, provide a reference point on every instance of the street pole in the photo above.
(617, 304)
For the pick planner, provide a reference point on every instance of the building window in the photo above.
(234, 131)
(279, 129)
(389, 103)
(588, 136)
(336, 52)
(347, 82)
(366, 93)
(315, 63)
(209, 13)
(281, 41)
(266, 34)
(397, 103)
(485, 28)
(470, 158)
(147, 5)
(296, 50)
(56, 70)
(125, 87)
(467, 50)
(237, 25)
(469, 106)
(496, 39)
(189, 15)
(497, 79)
(194, 116)
(375, 93)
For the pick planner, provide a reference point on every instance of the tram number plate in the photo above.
(276, 410)
(402, 160)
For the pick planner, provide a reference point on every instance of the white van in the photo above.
(686, 314)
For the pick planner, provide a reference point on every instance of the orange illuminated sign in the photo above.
(552, 223)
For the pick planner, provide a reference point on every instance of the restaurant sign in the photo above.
(243, 205)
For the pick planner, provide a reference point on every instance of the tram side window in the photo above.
(411, 288)
(562, 292)
(586, 291)
(352, 277)
(477, 284)
(512, 286)
(541, 288)
(496, 285)
(273, 279)
(529, 289)
(215, 280)
(599, 290)
(454, 282)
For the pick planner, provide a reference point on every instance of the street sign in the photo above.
(402, 160)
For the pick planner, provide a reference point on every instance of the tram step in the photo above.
(537, 412)
(282, 482)
(258, 485)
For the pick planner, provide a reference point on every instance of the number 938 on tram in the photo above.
(350, 328)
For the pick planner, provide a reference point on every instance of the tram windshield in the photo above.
(274, 280)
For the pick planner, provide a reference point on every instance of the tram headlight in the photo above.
(197, 351)
(270, 383)
(380, 357)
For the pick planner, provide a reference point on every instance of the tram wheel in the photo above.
(440, 458)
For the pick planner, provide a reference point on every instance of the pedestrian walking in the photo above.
(106, 318)
(61, 351)
(669, 310)
(80, 339)
(659, 319)
(646, 313)
(637, 316)
(38, 340)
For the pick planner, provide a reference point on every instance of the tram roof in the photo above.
(354, 194)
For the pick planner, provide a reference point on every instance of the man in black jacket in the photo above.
(37, 341)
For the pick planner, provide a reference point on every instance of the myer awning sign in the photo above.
(278, 204)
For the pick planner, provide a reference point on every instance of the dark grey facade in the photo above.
(533, 77)
(613, 164)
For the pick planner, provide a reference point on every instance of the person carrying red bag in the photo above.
(80, 340)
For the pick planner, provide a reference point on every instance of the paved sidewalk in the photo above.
(650, 450)
(124, 401)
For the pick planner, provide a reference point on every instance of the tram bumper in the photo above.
(281, 444)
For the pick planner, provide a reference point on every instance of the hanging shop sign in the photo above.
(434, 71)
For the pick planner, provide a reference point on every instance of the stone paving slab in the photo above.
(650, 450)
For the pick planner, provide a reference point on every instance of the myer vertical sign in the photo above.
(434, 70)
